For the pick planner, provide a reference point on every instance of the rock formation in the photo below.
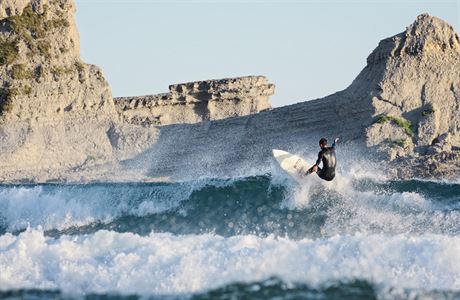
(199, 101)
(57, 113)
(416, 92)
(404, 106)
(59, 121)
(10, 8)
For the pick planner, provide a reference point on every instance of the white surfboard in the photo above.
(292, 164)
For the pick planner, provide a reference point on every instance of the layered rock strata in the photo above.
(404, 106)
(199, 101)
(57, 113)
(416, 91)
(59, 122)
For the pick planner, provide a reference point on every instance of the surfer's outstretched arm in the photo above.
(335, 142)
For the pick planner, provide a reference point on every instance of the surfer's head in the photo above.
(322, 143)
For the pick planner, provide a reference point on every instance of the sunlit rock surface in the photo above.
(199, 101)
(59, 121)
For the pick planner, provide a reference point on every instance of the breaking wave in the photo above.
(259, 236)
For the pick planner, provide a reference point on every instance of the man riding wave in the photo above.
(329, 160)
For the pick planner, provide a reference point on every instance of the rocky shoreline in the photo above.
(60, 123)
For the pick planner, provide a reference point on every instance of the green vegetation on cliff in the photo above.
(9, 51)
(58, 71)
(27, 90)
(32, 28)
(6, 99)
(44, 48)
(20, 72)
(81, 71)
(399, 142)
(35, 25)
(29, 25)
(400, 121)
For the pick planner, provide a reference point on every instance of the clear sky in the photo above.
(309, 49)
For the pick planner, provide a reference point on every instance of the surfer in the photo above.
(327, 156)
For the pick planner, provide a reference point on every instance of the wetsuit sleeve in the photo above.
(320, 157)
(333, 145)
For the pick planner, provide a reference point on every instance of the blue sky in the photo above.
(309, 49)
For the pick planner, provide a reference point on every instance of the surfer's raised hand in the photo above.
(336, 140)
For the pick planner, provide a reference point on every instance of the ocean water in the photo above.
(361, 236)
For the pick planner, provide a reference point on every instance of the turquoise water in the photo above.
(259, 237)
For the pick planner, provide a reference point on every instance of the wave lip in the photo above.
(165, 264)
(255, 205)
(64, 206)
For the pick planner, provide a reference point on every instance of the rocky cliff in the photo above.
(199, 101)
(404, 106)
(416, 90)
(43, 75)
(59, 121)
(57, 113)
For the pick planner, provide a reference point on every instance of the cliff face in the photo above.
(415, 90)
(57, 114)
(404, 106)
(10, 8)
(43, 75)
(56, 111)
(59, 122)
(199, 101)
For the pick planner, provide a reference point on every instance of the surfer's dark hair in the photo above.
(323, 141)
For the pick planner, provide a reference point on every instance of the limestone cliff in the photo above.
(404, 105)
(43, 75)
(10, 8)
(57, 114)
(59, 121)
(415, 90)
(199, 101)
(56, 111)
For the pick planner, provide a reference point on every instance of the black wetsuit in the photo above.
(327, 156)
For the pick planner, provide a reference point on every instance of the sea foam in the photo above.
(107, 262)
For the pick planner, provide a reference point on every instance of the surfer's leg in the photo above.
(320, 173)
(328, 176)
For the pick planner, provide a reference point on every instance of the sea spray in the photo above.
(62, 206)
(169, 264)
(193, 237)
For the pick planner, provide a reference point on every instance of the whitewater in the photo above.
(361, 236)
